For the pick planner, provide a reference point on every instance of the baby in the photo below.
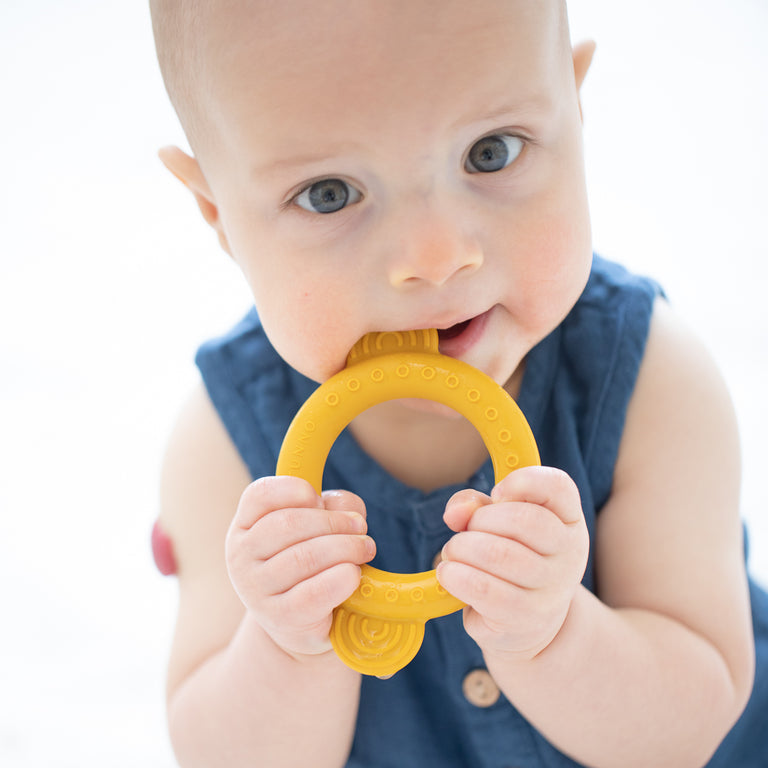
(380, 165)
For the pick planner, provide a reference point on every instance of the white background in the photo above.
(108, 281)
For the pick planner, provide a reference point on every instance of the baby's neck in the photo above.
(422, 449)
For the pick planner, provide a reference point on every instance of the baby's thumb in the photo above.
(461, 506)
(344, 501)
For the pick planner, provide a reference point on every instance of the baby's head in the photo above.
(387, 164)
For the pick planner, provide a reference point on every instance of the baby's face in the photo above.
(394, 165)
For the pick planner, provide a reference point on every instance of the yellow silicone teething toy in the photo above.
(379, 629)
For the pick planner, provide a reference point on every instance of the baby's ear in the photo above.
(187, 170)
(582, 58)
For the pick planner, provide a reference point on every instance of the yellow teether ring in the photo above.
(379, 629)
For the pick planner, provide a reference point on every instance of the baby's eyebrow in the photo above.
(290, 161)
(535, 104)
(287, 161)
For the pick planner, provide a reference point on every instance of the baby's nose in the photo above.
(433, 249)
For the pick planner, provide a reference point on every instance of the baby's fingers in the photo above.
(345, 501)
(278, 529)
(462, 506)
(533, 526)
(287, 528)
(308, 559)
(267, 494)
(299, 619)
(315, 598)
(492, 597)
(505, 559)
(545, 486)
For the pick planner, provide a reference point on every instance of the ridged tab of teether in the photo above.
(387, 342)
(380, 627)
(374, 645)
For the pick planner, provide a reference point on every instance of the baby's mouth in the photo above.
(461, 337)
(446, 334)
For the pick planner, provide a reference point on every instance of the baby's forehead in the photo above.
(216, 49)
(331, 37)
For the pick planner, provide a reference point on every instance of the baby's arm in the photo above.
(657, 667)
(247, 684)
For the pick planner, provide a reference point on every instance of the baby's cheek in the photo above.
(563, 268)
(311, 343)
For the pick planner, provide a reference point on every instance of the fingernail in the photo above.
(358, 522)
(370, 546)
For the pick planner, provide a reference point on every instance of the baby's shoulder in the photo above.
(681, 405)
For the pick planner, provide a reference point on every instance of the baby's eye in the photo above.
(327, 196)
(493, 153)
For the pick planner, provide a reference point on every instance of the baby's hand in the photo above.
(293, 556)
(517, 559)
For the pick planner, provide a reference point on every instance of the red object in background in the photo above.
(162, 550)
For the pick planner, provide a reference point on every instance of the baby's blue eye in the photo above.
(493, 153)
(327, 196)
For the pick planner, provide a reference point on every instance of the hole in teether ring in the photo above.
(436, 466)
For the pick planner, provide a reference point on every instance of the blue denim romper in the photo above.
(575, 392)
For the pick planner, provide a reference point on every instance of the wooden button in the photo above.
(480, 689)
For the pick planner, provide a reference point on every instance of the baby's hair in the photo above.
(177, 27)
